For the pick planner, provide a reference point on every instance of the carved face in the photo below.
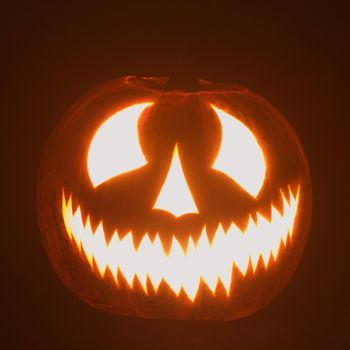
(168, 204)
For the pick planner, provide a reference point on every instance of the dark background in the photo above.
(296, 56)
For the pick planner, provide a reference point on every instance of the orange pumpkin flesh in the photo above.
(174, 204)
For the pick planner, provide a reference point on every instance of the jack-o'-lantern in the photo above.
(164, 203)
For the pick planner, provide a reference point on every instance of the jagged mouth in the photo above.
(185, 266)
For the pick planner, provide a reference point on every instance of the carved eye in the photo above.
(115, 147)
(240, 156)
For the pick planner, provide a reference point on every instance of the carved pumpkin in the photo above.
(170, 204)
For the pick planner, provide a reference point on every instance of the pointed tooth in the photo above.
(87, 241)
(123, 233)
(137, 239)
(212, 232)
(175, 263)
(75, 204)
(166, 240)
(157, 262)
(84, 214)
(127, 261)
(196, 235)
(278, 204)
(183, 240)
(113, 254)
(240, 248)
(152, 235)
(191, 275)
(265, 211)
(66, 196)
(100, 251)
(109, 230)
(205, 254)
(67, 215)
(77, 227)
(94, 222)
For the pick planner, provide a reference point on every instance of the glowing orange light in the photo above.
(240, 155)
(175, 196)
(184, 268)
(115, 147)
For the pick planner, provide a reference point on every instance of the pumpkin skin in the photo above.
(187, 122)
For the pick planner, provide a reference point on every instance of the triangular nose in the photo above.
(175, 195)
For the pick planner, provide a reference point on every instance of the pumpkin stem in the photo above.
(184, 82)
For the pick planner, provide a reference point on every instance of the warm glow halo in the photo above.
(184, 269)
